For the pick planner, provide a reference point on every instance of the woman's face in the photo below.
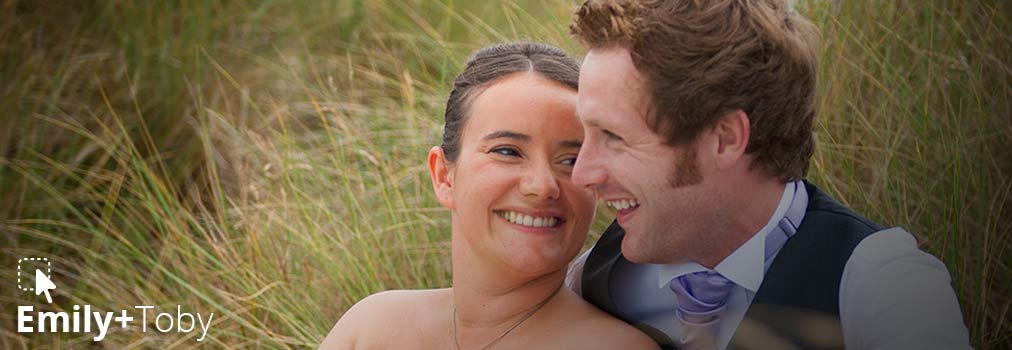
(509, 190)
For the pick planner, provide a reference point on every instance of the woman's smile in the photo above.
(539, 221)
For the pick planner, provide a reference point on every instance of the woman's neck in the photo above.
(493, 303)
(487, 303)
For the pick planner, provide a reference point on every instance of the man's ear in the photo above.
(442, 178)
(732, 135)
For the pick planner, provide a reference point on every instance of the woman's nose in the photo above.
(539, 181)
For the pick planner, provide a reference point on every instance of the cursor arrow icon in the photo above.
(43, 284)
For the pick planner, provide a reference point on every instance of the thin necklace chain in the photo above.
(514, 326)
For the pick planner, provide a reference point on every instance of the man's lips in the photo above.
(624, 208)
(622, 203)
(623, 216)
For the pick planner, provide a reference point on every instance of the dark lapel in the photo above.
(597, 279)
(597, 270)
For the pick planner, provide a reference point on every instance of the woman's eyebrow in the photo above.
(570, 144)
(507, 134)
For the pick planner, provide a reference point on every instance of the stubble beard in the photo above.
(686, 169)
(671, 245)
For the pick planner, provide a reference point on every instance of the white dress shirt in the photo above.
(892, 295)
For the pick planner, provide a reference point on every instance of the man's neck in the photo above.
(745, 215)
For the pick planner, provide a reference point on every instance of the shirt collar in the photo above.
(746, 265)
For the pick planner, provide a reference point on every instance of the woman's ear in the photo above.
(442, 179)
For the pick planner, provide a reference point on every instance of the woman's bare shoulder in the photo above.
(596, 329)
(393, 302)
(612, 333)
(381, 311)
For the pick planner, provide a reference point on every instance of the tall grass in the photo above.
(265, 160)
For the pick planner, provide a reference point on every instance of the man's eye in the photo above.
(569, 161)
(506, 151)
(610, 135)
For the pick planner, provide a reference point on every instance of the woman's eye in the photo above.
(569, 161)
(506, 151)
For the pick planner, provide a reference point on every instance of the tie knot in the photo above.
(701, 295)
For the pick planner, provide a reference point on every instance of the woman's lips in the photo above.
(532, 221)
(536, 220)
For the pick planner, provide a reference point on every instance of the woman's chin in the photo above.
(536, 265)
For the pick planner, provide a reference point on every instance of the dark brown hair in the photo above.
(492, 63)
(702, 59)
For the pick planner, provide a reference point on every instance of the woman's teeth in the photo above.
(623, 204)
(527, 220)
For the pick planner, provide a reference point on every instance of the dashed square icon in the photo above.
(26, 272)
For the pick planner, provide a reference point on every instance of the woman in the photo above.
(509, 144)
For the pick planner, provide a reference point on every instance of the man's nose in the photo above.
(539, 181)
(587, 171)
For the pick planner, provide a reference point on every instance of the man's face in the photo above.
(660, 192)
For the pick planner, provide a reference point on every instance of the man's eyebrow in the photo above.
(570, 144)
(507, 134)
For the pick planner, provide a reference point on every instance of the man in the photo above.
(698, 131)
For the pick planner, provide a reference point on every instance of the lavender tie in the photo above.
(701, 296)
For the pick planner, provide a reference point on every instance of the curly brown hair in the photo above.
(703, 59)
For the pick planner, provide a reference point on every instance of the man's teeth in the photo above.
(527, 220)
(623, 204)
